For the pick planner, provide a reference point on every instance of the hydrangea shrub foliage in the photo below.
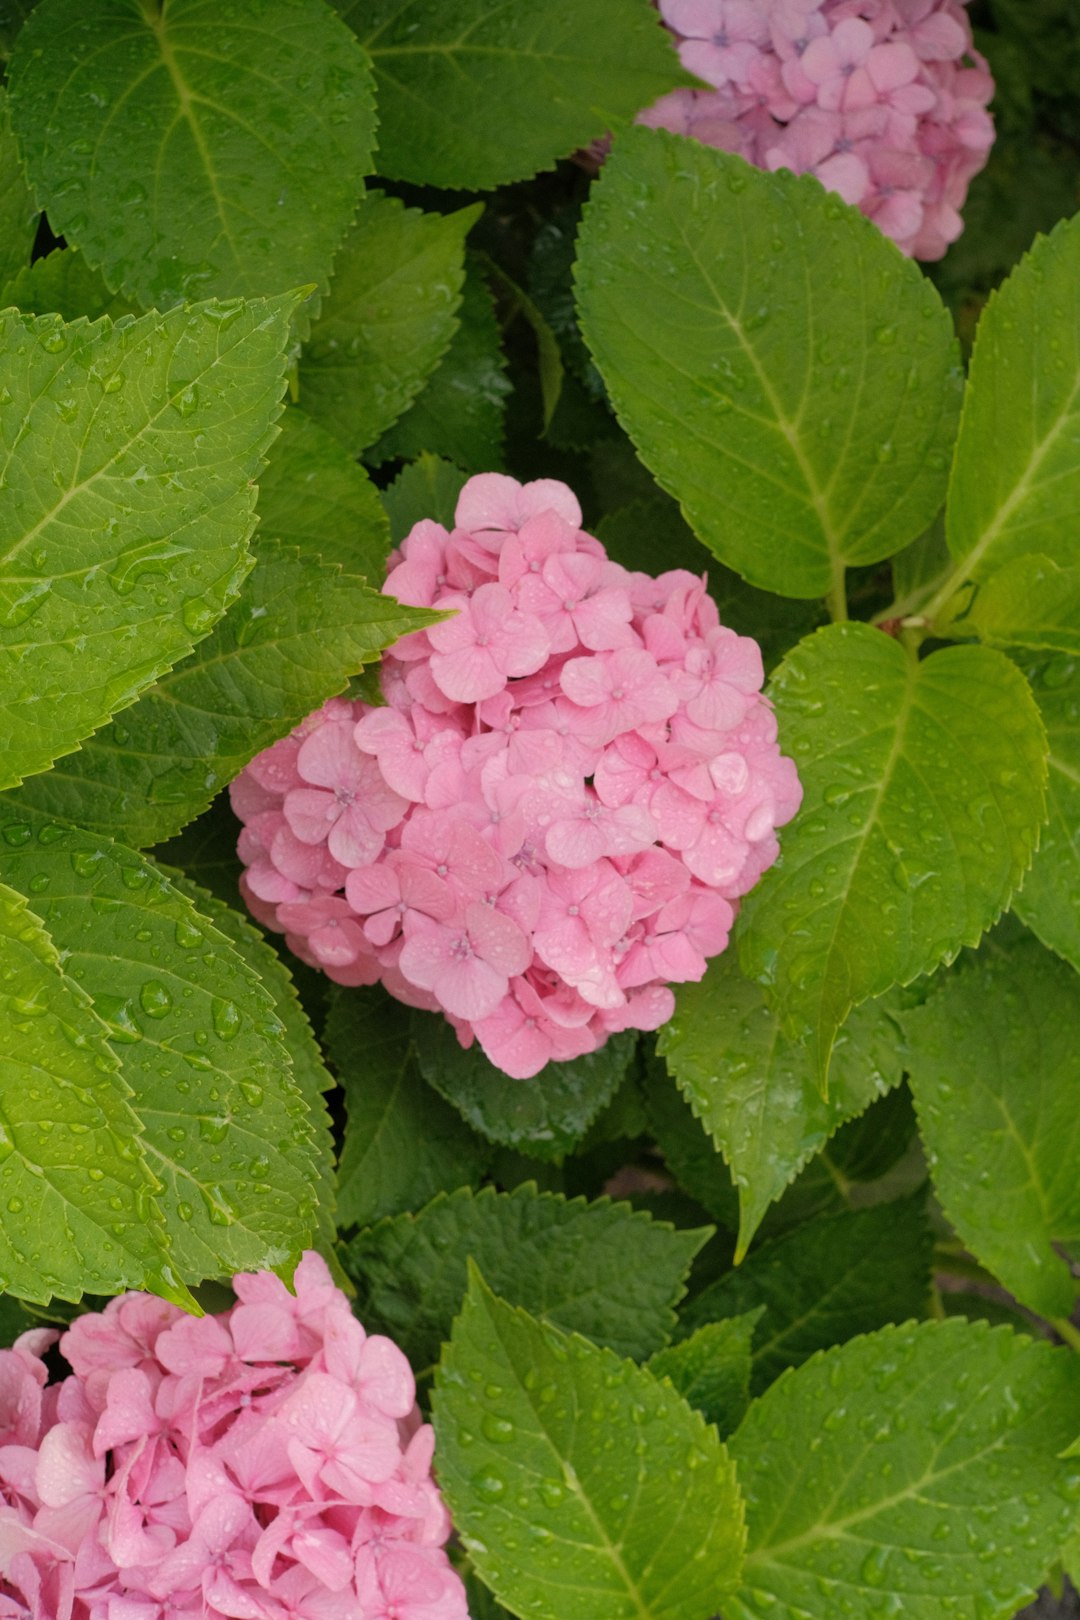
(402, 427)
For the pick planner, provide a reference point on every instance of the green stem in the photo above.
(837, 597)
(1065, 1330)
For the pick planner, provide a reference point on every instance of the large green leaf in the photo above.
(75, 1190)
(475, 95)
(225, 1129)
(599, 1269)
(824, 1283)
(1049, 901)
(783, 371)
(18, 213)
(127, 503)
(548, 1116)
(63, 283)
(190, 151)
(995, 1070)
(314, 496)
(297, 632)
(1015, 486)
(913, 1472)
(558, 1461)
(310, 1074)
(755, 1091)
(388, 320)
(459, 413)
(924, 789)
(402, 1143)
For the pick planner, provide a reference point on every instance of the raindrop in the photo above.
(154, 999)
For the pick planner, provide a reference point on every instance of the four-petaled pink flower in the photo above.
(486, 643)
(349, 803)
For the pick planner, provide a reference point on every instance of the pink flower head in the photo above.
(842, 89)
(265, 1463)
(572, 781)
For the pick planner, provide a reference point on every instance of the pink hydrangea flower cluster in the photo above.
(552, 818)
(883, 100)
(265, 1464)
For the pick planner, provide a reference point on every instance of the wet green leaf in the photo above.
(823, 1283)
(225, 1129)
(402, 1143)
(459, 412)
(1049, 899)
(1015, 484)
(755, 1092)
(711, 1369)
(995, 1071)
(192, 152)
(916, 1470)
(128, 506)
(599, 1269)
(924, 790)
(388, 319)
(474, 95)
(75, 1188)
(792, 457)
(19, 213)
(558, 1461)
(314, 496)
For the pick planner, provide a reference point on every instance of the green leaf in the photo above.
(1015, 485)
(711, 1369)
(314, 496)
(225, 1129)
(995, 1071)
(427, 488)
(915, 1471)
(473, 95)
(924, 789)
(756, 1093)
(18, 213)
(128, 505)
(459, 413)
(557, 1460)
(402, 1143)
(1030, 602)
(545, 1118)
(74, 1184)
(824, 1283)
(309, 1073)
(1049, 901)
(792, 456)
(189, 153)
(388, 319)
(63, 283)
(297, 632)
(13, 13)
(599, 1269)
